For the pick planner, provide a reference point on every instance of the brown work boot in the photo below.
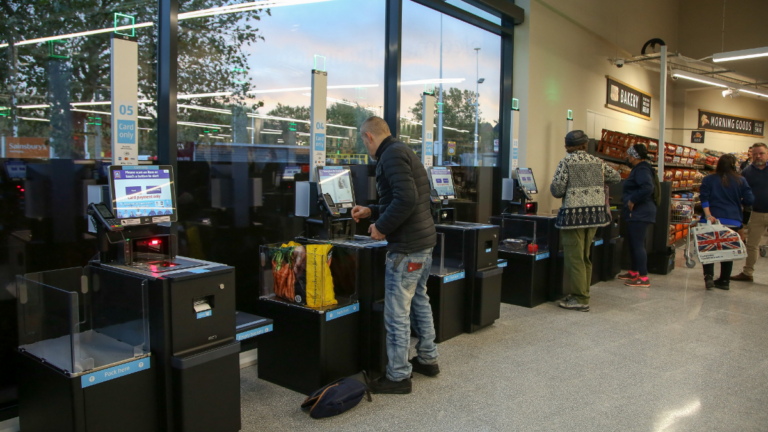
(742, 278)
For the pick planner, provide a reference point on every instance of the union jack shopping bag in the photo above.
(717, 243)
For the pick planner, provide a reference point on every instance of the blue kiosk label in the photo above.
(255, 332)
(105, 375)
(453, 277)
(598, 242)
(338, 313)
(501, 264)
(542, 256)
(204, 314)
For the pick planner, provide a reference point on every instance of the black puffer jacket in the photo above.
(403, 213)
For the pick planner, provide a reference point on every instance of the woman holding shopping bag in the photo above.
(723, 194)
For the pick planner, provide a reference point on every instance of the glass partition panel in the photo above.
(76, 325)
(460, 64)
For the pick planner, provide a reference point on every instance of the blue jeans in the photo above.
(406, 303)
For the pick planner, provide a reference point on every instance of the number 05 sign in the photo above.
(125, 121)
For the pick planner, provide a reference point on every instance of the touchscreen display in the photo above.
(525, 177)
(290, 171)
(442, 181)
(142, 192)
(337, 182)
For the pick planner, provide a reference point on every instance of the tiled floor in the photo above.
(673, 357)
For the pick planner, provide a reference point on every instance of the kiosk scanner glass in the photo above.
(143, 195)
(76, 329)
(442, 182)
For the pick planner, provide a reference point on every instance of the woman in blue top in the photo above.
(722, 196)
(639, 213)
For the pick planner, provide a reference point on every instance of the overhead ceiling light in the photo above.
(79, 34)
(292, 89)
(33, 106)
(697, 78)
(90, 103)
(203, 125)
(718, 83)
(740, 55)
(33, 119)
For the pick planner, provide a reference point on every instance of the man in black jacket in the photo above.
(403, 217)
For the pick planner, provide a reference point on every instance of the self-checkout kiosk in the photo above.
(324, 289)
(140, 336)
(528, 243)
(466, 253)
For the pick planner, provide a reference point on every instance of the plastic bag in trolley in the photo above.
(717, 243)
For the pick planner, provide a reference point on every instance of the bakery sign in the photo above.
(726, 123)
(623, 97)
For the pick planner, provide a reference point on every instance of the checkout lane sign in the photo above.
(118, 371)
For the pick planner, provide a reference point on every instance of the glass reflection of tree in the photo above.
(458, 113)
(210, 53)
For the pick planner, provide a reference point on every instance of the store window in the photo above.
(244, 87)
(448, 57)
(55, 135)
(244, 79)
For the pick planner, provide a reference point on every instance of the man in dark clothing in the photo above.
(757, 178)
(404, 218)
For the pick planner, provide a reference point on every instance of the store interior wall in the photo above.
(561, 61)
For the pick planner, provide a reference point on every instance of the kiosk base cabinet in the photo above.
(52, 401)
(308, 349)
(208, 382)
(526, 279)
(447, 298)
(487, 298)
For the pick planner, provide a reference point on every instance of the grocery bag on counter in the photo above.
(319, 282)
(717, 243)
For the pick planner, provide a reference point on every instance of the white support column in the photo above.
(514, 154)
(427, 129)
(317, 121)
(662, 110)
(125, 108)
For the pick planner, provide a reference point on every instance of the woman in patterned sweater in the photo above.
(580, 181)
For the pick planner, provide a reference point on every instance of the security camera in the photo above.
(619, 63)
(731, 92)
(674, 78)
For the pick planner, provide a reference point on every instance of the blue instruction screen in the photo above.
(142, 193)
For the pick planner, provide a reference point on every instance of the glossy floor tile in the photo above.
(673, 357)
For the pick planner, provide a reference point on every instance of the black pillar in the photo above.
(393, 40)
(167, 50)
(505, 111)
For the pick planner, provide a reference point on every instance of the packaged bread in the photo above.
(679, 150)
(678, 174)
(675, 183)
(686, 174)
(686, 151)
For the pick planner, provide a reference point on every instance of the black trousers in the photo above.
(726, 267)
(637, 253)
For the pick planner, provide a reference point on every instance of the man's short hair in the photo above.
(759, 145)
(376, 126)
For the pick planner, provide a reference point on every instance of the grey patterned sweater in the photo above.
(579, 180)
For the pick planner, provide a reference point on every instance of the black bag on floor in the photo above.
(337, 397)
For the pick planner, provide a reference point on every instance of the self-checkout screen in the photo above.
(337, 182)
(442, 182)
(142, 192)
(290, 171)
(525, 177)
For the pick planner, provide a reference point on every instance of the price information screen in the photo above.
(337, 182)
(442, 182)
(525, 177)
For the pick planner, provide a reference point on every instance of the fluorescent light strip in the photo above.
(292, 89)
(202, 125)
(433, 81)
(90, 103)
(679, 75)
(187, 15)
(201, 95)
(717, 83)
(272, 130)
(271, 133)
(33, 106)
(200, 108)
(740, 55)
(33, 119)
(269, 117)
(337, 137)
